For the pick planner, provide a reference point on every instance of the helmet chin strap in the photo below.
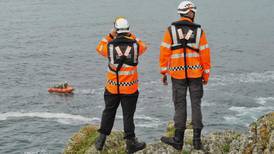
(187, 16)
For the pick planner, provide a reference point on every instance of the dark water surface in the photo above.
(43, 42)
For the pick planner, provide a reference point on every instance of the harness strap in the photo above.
(173, 31)
(121, 62)
(185, 64)
(183, 46)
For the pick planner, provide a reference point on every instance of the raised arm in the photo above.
(102, 47)
(142, 45)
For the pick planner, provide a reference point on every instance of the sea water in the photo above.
(43, 42)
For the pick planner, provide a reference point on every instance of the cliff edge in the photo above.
(258, 139)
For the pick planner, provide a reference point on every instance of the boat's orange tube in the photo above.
(61, 90)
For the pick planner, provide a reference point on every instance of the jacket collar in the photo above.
(185, 19)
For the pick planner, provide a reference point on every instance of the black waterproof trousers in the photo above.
(112, 102)
(179, 90)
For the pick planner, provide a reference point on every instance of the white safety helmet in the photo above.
(121, 25)
(186, 6)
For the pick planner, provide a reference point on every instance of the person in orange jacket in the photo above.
(185, 56)
(122, 49)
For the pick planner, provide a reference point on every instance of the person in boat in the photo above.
(63, 85)
(185, 56)
(122, 48)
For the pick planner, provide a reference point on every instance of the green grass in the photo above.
(186, 152)
(226, 148)
(82, 140)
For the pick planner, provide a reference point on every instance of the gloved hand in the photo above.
(204, 82)
(164, 80)
(205, 79)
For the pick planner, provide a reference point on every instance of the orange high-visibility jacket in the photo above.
(128, 75)
(195, 62)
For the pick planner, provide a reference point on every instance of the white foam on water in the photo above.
(245, 115)
(231, 118)
(237, 108)
(63, 118)
(151, 82)
(148, 125)
(144, 121)
(89, 91)
(264, 100)
(250, 111)
(140, 117)
(236, 120)
(232, 78)
(205, 103)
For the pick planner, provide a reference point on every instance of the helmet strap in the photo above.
(187, 16)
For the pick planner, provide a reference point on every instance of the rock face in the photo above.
(258, 140)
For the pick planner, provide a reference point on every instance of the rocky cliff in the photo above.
(259, 139)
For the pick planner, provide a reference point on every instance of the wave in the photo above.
(237, 120)
(264, 100)
(251, 111)
(206, 104)
(140, 117)
(147, 125)
(70, 119)
(245, 115)
(62, 118)
(232, 78)
(89, 91)
(144, 121)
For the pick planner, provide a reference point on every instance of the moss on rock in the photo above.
(259, 139)
(81, 141)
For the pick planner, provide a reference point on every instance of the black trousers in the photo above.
(112, 102)
(179, 90)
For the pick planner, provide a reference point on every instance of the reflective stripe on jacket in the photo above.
(197, 53)
(128, 75)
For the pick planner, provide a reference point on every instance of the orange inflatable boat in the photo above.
(66, 90)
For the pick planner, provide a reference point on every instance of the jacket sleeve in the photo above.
(102, 47)
(165, 52)
(142, 45)
(205, 56)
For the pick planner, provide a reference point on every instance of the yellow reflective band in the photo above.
(124, 72)
(198, 37)
(163, 68)
(181, 34)
(203, 47)
(174, 35)
(180, 55)
(166, 45)
(188, 35)
(101, 48)
(118, 50)
(135, 47)
(207, 71)
(111, 54)
(105, 40)
(127, 51)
